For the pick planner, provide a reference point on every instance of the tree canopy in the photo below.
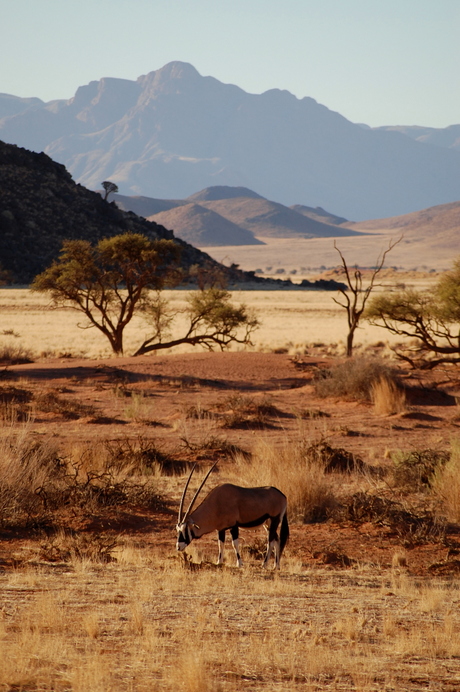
(431, 318)
(126, 274)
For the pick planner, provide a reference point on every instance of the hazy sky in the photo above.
(380, 62)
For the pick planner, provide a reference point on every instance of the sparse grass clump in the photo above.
(50, 401)
(416, 470)
(445, 482)
(387, 397)
(15, 354)
(239, 411)
(354, 378)
(37, 481)
(310, 491)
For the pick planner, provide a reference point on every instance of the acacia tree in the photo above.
(126, 274)
(213, 321)
(356, 296)
(109, 188)
(432, 319)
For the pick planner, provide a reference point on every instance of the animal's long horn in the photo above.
(198, 491)
(183, 495)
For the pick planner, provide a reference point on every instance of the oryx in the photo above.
(230, 506)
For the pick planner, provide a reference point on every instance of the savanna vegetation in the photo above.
(93, 460)
(126, 275)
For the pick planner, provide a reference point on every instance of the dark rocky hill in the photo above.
(41, 206)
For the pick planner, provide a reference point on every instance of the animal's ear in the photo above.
(196, 526)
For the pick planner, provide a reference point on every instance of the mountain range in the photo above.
(173, 131)
(225, 215)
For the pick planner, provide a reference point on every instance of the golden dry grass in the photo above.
(289, 320)
(147, 624)
(387, 397)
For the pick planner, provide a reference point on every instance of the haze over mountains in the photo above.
(173, 132)
(224, 215)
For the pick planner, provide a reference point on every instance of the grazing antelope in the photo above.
(230, 506)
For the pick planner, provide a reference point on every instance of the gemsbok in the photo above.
(229, 507)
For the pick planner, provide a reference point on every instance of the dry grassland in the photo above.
(289, 320)
(145, 624)
(93, 457)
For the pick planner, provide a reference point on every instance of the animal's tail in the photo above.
(284, 533)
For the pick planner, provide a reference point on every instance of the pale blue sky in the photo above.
(380, 62)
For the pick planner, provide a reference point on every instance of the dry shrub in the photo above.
(50, 402)
(15, 354)
(353, 379)
(36, 481)
(445, 482)
(415, 470)
(310, 491)
(387, 397)
(239, 411)
(26, 466)
(14, 403)
(413, 527)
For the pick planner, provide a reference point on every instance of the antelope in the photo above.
(229, 507)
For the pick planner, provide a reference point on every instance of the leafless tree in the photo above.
(356, 296)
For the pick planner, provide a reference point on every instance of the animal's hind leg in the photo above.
(220, 559)
(273, 542)
(236, 545)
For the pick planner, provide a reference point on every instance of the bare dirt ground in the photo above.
(151, 399)
(359, 605)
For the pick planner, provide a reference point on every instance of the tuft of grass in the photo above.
(50, 402)
(310, 491)
(239, 411)
(445, 482)
(388, 398)
(15, 354)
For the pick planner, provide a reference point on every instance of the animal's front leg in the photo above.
(236, 545)
(220, 559)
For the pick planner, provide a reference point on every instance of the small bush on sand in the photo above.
(416, 470)
(15, 354)
(354, 378)
(50, 402)
(238, 411)
(310, 491)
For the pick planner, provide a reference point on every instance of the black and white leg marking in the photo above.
(236, 545)
(273, 545)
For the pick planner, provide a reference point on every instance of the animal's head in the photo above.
(185, 533)
(186, 527)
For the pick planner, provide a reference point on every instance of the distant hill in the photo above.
(215, 192)
(203, 227)
(437, 225)
(173, 131)
(318, 214)
(41, 206)
(447, 137)
(225, 215)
